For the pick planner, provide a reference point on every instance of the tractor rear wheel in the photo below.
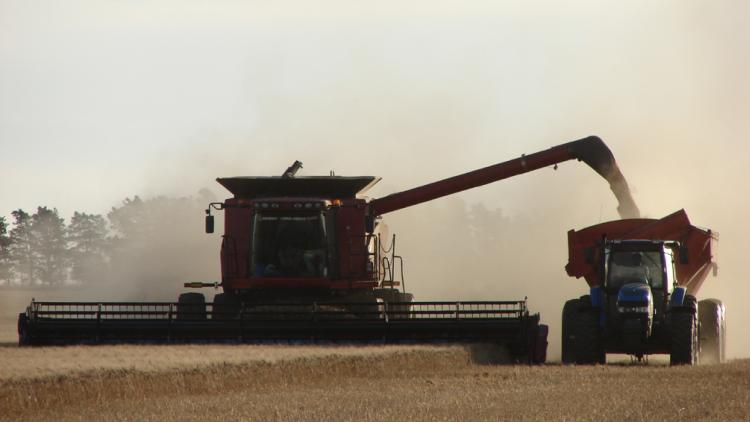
(712, 330)
(569, 321)
(588, 348)
(191, 306)
(588, 341)
(684, 334)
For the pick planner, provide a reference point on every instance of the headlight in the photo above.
(633, 309)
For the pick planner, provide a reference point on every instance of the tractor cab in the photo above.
(639, 273)
(639, 276)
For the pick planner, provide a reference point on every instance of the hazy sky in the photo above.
(105, 99)
(100, 100)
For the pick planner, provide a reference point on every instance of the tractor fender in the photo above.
(678, 297)
(597, 302)
(596, 296)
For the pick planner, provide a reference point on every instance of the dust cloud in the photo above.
(416, 97)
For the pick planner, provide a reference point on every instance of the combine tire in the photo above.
(191, 306)
(712, 331)
(224, 307)
(569, 315)
(684, 332)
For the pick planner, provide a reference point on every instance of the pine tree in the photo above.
(19, 250)
(5, 269)
(48, 246)
(88, 247)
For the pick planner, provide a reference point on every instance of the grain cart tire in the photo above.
(191, 306)
(712, 331)
(684, 334)
(569, 313)
(588, 342)
(225, 307)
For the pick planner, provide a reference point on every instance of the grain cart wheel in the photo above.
(191, 306)
(225, 307)
(569, 314)
(711, 313)
(684, 334)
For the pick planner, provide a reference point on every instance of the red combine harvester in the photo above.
(301, 259)
(643, 276)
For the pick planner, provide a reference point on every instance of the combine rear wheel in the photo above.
(191, 306)
(569, 315)
(684, 332)
(712, 331)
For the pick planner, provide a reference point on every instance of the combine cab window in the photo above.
(635, 267)
(289, 245)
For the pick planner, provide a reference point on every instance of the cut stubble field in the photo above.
(284, 382)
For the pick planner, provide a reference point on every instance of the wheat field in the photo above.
(351, 383)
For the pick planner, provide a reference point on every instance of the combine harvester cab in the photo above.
(302, 259)
(644, 276)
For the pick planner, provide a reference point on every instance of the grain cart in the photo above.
(301, 259)
(644, 276)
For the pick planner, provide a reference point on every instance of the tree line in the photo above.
(42, 249)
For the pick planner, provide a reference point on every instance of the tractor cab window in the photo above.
(289, 245)
(634, 267)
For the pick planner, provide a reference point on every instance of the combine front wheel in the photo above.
(225, 307)
(191, 306)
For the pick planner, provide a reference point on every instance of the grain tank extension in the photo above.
(644, 276)
(302, 258)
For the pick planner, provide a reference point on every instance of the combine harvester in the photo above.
(302, 260)
(644, 276)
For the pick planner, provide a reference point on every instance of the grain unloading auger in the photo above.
(301, 259)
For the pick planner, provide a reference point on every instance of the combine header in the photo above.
(302, 258)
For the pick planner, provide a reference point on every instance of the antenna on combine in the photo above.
(292, 170)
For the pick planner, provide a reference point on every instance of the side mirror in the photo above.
(684, 255)
(209, 224)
